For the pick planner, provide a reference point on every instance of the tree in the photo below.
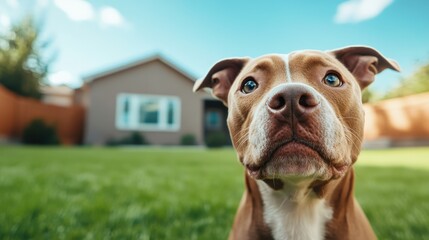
(22, 68)
(416, 83)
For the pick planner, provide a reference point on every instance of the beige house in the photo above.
(153, 97)
(57, 95)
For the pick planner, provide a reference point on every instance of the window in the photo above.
(213, 120)
(147, 112)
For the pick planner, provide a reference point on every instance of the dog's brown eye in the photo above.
(332, 80)
(249, 85)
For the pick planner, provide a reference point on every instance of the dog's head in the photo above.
(297, 115)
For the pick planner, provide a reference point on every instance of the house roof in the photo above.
(56, 90)
(133, 64)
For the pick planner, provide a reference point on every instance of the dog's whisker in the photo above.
(242, 139)
(351, 140)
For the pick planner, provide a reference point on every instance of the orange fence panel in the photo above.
(8, 112)
(405, 118)
(17, 112)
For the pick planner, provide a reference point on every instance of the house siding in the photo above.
(152, 78)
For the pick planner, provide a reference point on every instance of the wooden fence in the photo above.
(399, 121)
(17, 112)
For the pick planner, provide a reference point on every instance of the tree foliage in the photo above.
(416, 83)
(22, 68)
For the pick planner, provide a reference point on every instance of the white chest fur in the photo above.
(295, 213)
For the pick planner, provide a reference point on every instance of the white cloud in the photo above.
(110, 16)
(63, 77)
(360, 10)
(82, 10)
(76, 10)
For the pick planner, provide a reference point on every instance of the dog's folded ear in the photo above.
(220, 77)
(364, 63)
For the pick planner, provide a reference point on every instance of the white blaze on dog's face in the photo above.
(298, 115)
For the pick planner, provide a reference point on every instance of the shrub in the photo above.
(188, 140)
(111, 142)
(39, 133)
(216, 139)
(135, 138)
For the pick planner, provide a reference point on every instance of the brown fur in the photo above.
(348, 222)
(357, 67)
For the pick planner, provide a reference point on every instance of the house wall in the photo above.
(154, 78)
(57, 95)
(81, 96)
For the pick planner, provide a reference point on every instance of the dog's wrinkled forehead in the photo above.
(306, 67)
(360, 63)
(285, 64)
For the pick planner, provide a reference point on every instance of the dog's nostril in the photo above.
(277, 103)
(308, 101)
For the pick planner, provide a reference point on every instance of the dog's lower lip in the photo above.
(299, 142)
(253, 168)
(255, 172)
(340, 169)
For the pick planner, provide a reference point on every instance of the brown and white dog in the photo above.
(296, 122)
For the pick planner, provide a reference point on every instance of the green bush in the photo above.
(216, 139)
(135, 138)
(111, 142)
(188, 140)
(39, 133)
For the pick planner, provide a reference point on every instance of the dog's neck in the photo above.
(295, 211)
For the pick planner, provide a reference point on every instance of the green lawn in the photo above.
(154, 193)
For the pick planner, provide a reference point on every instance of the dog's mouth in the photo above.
(295, 157)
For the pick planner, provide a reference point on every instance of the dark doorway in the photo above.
(215, 114)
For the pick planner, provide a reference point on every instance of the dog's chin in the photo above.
(295, 161)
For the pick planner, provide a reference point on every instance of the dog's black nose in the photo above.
(292, 100)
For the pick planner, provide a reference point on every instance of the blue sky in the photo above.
(93, 36)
